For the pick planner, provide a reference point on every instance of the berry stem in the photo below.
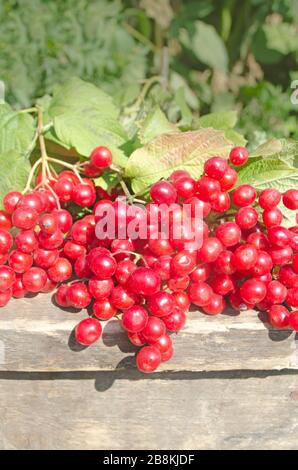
(42, 145)
(31, 175)
(66, 165)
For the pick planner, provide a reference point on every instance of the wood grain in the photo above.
(35, 335)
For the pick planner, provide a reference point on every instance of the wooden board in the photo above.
(35, 335)
(123, 410)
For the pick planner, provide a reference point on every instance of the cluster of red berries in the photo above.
(246, 258)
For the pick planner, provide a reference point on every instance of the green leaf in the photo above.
(155, 124)
(285, 150)
(235, 137)
(186, 114)
(16, 129)
(14, 172)
(169, 152)
(85, 117)
(107, 181)
(220, 120)
(207, 45)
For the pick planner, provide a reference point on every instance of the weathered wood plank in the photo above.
(35, 336)
(123, 410)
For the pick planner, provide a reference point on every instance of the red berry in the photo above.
(177, 174)
(153, 330)
(293, 320)
(60, 271)
(100, 288)
(61, 296)
(228, 233)
(6, 242)
(88, 331)
(292, 297)
(269, 198)
(215, 306)
(185, 187)
(207, 187)
(176, 320)
(103, 266)
(148, 359)
(259, 240)
(103, 309)
(34, 279)
(124, 270)
(229, 179)
(220, 202)
(278, 316)
(73, 250)
(134, 319)
(198, 208)
(244, 195)
(272, 217)
(290, 199)
(263, 264)
(253, 291)
(78, 295)
(18, 289)
(136, 339)
(144, 281)
(101, 157)
(24, 218)
(11, 200)
(183, 263)
(276, 292)
(50, 242)
(163, 343)
(222, 284)
(5, 297)
(26, 241)
(181, 300)
(215, 167)
(163, 192)
(210, 250)
(178, 283)
(7, 277)
(5, 221)
(223, 264)
(83, 195)
(238, 156)
(161, 303)
(64, 189)
(19, 261)
(45, 258)
(64, 219)
(281, 256)
(201, 273)
(244, 257)
(121, 298)
(200, 293)
(279, 236)
(247, 218)
(32, 201)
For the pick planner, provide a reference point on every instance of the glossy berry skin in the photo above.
(61, 296)
(120, 249)
(237, 303)
(292, 297)
(136, 339)
(160, 247)
(73, 250)
(124, 270)
(161, 303)
(200, 293)
(279, 236)
(64, 219)
(88, 331)
(183, 263)
(64, 189)
(100, 288)
(24, 218)
(278, 316)
(19, 261)
(253, 291)
(5, 221)
(238, 156)
(259, 240)
(45, 258)
(144, 281)
(263, 264)
(215, 306)
(201, 273)
(222, 284)
(26, 241)
(247, 218)
(223, 263)
(163, 192)
(228, 233)
(121, 298)
(287, 276)
(103, 309)
(176, 320)
(11, 200)
(220, 202)
(60, 271)
(276, 292)
(48, 223)
(34, 279)
(181, 300)
(177, 174)
(272, 217)
(229, 179)
(101, 157)
(245, 257)
(198, 208)
(295, 263)
(244, 195)
(290, 199)
(7, 277)
(5, 297)
(281, 256)
(154, 329)
(215, 167)
(50, 242)
(78, 295)
(210, 250)
(163, 343)
(293, 320)
(148, 359)
(269, 198)
(177, 284)
(103, 266)
(18, 289)
(134, 319)
(185, 187)
(207, 187)
(6, 242)
(83, 195)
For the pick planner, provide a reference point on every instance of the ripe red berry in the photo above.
(177, 174)
(210, 250)
(215, 167)
(24, 218)
(281, 256)
(178, 283)
(48, 223)
(18, 289)
(238, 156)
(253, 291)
(124, 270)
(185, 187)
(220, 202)
(215, 306)
(200, 293)
(269, 198)
(101, 157)
(163, 192)
(78, 295)
(228, 233)
(7, 277)
(5, 221)
(207, 187)
(292, 297)
(134, 319)
(279, 236)
(181, 300)
(148, 359)
(136, 339)
(61, 296)
(276, 292)
(121, 298)
(161, 303)
(163, 343)
(6, 242)
(263, 264)
(244, 195)
(223, 264)
(176, 320)
(45, 258)
(247, 218)
(64, 189)
(144, 281)
(26, 241)
(20, 261)
(103, 266)
(34, 279)
(11, 200)
(154, 329)
(290, 199)
(83, 195)
(50, 242)
(245, 257)
(278, 316)
(183, 263)
(88, 331)
(60, 271)
(31, 201)
(259, 240)
(293, 320)
(229, 179)
(5, 297)
(100, 288)
(103, 309)
(222, 284)
(64, 219)
(272, 217)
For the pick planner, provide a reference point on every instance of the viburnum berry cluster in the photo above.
(245, 258)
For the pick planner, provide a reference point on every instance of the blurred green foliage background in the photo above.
(203, 55)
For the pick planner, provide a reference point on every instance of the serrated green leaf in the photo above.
(85, 117)
(220, 120)
(207, 45)
(14, 172)
(169, 152)
(16, 129)
(280, 149)
(155, 124)
(237, 138)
